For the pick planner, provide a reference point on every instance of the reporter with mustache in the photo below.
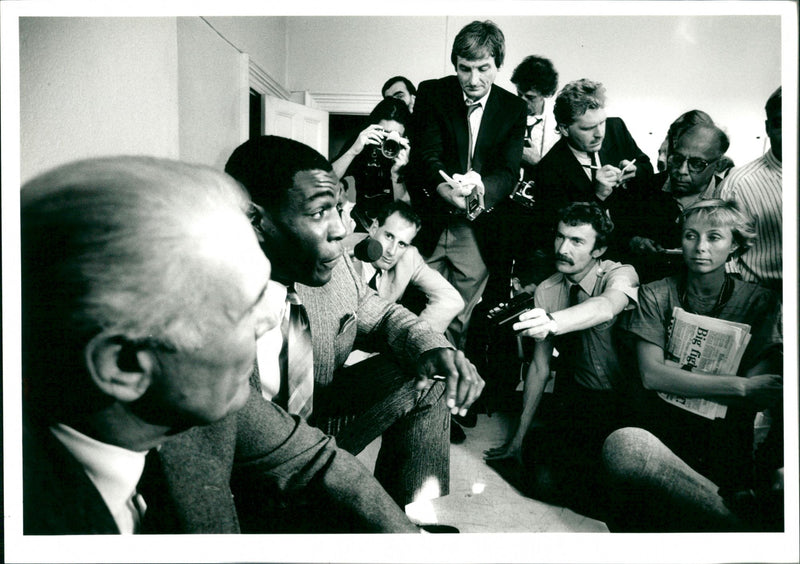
(575, 312)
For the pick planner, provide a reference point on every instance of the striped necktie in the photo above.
(297, 357)
(470, 108)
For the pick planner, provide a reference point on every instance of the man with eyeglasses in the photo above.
(648, 229)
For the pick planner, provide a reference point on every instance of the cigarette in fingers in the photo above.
(438, 377)
(593, 167)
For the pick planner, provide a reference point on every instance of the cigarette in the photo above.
(595, 167)
(438, 377)
(627, 165)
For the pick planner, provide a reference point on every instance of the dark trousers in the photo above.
(562, 455)
(377, 398)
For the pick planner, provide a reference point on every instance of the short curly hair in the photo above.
(576, 98)
(536, 73)
(725, 213)
(580, 213)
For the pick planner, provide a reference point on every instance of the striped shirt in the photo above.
(756, 187)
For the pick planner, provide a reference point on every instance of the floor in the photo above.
(480, 499)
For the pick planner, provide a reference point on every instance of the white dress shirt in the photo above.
(113, 470)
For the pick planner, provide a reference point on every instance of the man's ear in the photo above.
(119, 367)
(411, 103)
(562, 129)
(373, 228)
(597, 252)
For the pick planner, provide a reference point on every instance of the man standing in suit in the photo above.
(392, 395)
(472, 130)
(536, 80)
(143, 294)
(595, 157)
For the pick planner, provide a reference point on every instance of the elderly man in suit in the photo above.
(143, 295)
(392, 395)
(472, 130)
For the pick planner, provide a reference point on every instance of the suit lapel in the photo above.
(572, 170)
(484, 132)
(458, 112)
(59, 498)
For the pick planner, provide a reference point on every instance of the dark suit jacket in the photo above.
(439, 141)
(239, 474)
(58, 496)
(560, 178)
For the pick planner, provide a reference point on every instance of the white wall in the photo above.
(210, 93)
(261, 37)
(171, 86)
(654, 67)
(96, 86)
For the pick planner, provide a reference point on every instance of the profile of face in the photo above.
(476, 76)
(400, 91)
(661, 163)
(586, 133)
(775, 132)
(395, 235)
(693, 162)
(303, 238)
(706, 247)
(533, 100)
(204, 383)
(575, 249)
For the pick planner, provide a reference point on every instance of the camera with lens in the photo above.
(475, 205)
(390, 144)
(523, 193)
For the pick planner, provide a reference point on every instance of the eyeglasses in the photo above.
(695, 164)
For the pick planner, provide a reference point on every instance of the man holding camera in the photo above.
(575, 311)
(471, 130)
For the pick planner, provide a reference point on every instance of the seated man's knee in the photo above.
(625, 451)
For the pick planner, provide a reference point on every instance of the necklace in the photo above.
(724, 295)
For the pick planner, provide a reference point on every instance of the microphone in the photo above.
(368, 250)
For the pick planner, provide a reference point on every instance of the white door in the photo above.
(296, 121)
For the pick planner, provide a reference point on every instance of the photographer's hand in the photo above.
(372, 135)
(401, 159)
(452, 195)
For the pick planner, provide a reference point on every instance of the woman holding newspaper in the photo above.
(709, 352)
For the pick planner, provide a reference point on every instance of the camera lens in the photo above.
(390, 148)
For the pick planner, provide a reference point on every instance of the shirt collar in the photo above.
(772, 160)
(588, 282)
(481, 101)
(114, 470)
(582, 156)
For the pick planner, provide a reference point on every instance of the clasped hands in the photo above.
(609, 177)
(462, 381)
(455, 192)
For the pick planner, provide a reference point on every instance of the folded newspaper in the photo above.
(698, 343)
